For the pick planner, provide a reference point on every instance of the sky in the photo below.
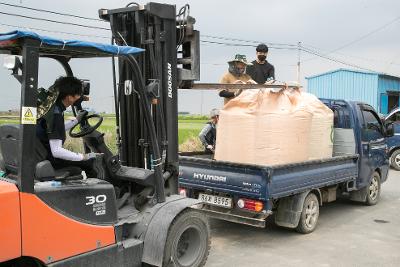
(363, 33)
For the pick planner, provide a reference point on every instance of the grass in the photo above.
(189, 127)
(188, 132)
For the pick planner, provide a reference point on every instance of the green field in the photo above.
(189, 127)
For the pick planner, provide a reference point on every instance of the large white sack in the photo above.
(321, 132)
(263, 127)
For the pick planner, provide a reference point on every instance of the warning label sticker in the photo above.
(28, 115)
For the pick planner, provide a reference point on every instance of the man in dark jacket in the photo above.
(209, 133)
(261, 71)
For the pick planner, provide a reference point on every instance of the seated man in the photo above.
(209, 133)
(51, 132)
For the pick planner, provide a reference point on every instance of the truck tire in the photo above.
(309, 215)
(373, 190)
(188, 240)
(395, 160)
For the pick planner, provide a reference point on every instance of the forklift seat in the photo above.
(9, 146)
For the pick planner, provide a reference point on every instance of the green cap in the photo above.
(240, 58)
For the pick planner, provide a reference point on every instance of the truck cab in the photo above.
(393, 142)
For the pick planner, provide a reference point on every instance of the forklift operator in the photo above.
(52, 134)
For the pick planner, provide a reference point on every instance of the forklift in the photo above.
(131, 214)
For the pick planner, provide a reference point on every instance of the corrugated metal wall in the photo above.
(387, 85)
(345, 84)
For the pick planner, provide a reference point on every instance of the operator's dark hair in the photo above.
(262, 48)
(68, 86)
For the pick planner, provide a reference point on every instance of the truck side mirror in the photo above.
(389, 130)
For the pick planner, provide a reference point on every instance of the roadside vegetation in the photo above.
(189, 127)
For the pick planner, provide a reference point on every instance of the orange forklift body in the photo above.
(50, 236)
(10, 222)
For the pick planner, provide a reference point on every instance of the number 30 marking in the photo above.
(95, 199)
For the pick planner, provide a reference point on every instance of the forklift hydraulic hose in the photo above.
(157, 162)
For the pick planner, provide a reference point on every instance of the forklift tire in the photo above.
(309, 215)
(188, 240)
(373, 190)
(395, 160)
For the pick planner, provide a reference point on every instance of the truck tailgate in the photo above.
(227, 177)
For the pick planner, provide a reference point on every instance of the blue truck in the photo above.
(248, 194)
(393, 142)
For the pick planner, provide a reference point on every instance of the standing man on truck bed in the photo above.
(236, 74)
(261, 70)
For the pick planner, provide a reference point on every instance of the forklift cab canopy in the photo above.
(12, 42)
(31, 46)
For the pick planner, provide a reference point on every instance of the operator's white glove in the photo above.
(90, 155)
(270, 81)
(238, 92)
(210, 147)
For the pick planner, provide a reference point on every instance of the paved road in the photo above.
(348, 234)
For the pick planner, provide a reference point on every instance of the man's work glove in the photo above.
(210, 147)
(81, 114)
(91, 155)
(238, 92)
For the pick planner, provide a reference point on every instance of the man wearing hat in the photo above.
(236, 74)
(261, 71)
(209, 133)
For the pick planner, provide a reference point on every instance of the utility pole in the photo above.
(298, 61)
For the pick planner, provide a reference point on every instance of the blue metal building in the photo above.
(380, 90)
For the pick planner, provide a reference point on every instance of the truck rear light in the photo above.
(250, 204)
(182, 192)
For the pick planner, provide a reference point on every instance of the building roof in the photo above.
(355, 71)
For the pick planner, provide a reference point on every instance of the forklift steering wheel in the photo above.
(86, 128)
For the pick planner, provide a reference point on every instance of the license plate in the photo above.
(225, 202)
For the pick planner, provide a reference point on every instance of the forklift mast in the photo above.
(171, 60)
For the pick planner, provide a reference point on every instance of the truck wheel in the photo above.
(373, 190)
(188, 241)
(395, 160)
(309, 215)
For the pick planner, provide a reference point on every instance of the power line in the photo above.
(244, 40)
(219, 43)
(272, 45)
(352, 56)
(368, 34)
(392, 63)
(54, 21)
(93, 19)
(49, 11)
(335, 60)
(244, 45)
(43, 30)
(360, 38)
(105, 37)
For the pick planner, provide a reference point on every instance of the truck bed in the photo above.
(265, 182)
